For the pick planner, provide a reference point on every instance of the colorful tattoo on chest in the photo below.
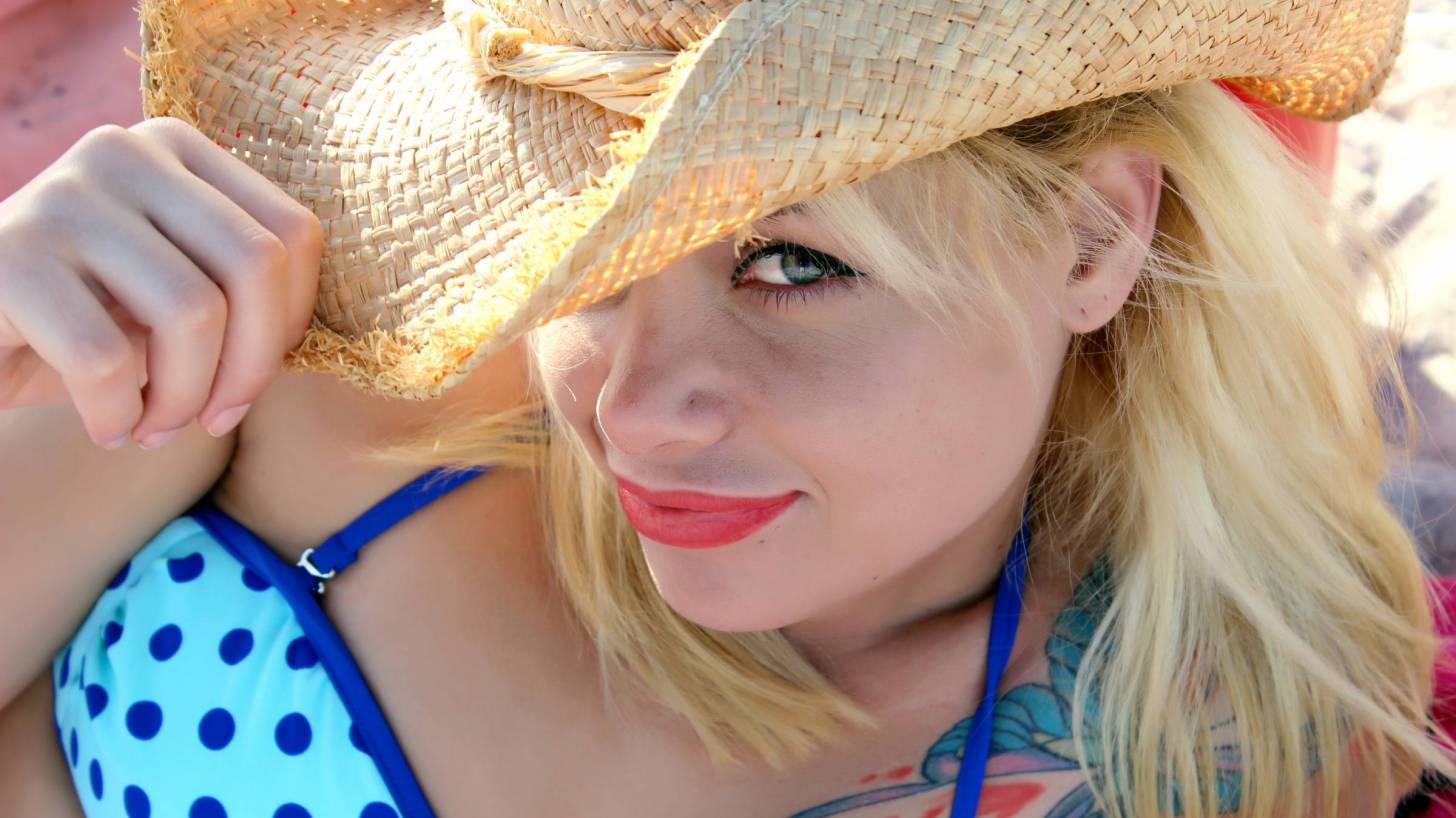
(1031, 734)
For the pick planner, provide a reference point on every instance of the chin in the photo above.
(711, 604)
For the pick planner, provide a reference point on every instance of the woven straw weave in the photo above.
(483, 165)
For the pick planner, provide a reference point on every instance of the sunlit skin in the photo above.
(698, 386)
(1033, 768)
(895, 431)
(912, 447)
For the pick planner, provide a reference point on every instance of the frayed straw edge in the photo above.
(424, 358)
(166, 91)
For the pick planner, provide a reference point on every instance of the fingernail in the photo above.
(157, 440)
(226, 420)
(117, 441)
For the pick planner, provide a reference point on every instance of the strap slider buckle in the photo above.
(306, 564)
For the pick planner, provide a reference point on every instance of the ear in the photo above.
(1130, 180)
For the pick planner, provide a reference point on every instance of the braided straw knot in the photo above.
(623, 81)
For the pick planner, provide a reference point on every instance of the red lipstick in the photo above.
(691, 519)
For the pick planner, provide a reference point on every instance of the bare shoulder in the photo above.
(301, 468)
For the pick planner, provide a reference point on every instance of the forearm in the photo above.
(71, 514)
(34, 779)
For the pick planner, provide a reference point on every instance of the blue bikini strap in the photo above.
(1004, 618)
(340, 551)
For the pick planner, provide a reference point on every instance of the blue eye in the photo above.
(782, 269)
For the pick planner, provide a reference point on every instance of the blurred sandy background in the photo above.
(63, 71)
(1396, 170)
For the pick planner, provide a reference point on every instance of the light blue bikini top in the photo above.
(208, 682)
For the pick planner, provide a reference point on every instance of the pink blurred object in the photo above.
(1312, 141)
(1443, 606)
(63, 71)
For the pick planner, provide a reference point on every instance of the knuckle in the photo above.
(263, 253)
(303, 230)
(102, 360)
(105, 143)
(111, 154)
(61, 196)
(109, 136)
(163, 127)
(198, 308)
(249, 381)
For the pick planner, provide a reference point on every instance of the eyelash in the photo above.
(838, 274)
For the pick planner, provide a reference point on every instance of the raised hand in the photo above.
(149, 278)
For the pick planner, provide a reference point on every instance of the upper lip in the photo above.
(702, 501)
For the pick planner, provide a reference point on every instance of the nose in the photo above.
(665, 393)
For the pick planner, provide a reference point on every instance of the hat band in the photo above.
(623, 81)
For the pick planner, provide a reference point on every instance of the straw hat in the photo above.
(480, 166)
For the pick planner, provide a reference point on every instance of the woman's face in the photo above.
(887, 456)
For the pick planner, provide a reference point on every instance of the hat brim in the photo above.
(461, 210)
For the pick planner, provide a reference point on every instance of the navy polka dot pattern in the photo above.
(144, 719)
(196, 669)
(165, 642)
(136, 802)
(300, 654)
(207, 807)
(356, 738)
(95, 700)
(216, 729)
(236, 645)
(185, 569)
(254, 581)
(293, 734)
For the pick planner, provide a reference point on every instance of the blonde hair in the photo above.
(1219, 443)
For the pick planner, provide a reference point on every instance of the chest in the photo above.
(495, 695)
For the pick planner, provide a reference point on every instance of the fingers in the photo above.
(67, 327)
(270, 275)
(151, 256)
(184, 310)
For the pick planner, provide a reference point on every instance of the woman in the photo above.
(1068, 410)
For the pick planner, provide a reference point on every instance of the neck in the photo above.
(941, 597)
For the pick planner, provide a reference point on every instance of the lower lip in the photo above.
(684, 528)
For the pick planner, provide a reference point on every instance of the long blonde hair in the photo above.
(1219, 442)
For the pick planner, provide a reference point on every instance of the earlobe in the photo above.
(1129, 181)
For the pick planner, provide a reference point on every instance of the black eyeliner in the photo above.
(816, 257)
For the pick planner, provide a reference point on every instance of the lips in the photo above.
(690, 519)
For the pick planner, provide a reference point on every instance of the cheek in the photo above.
(939, 430)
